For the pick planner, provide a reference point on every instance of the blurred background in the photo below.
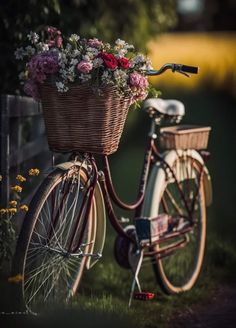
(192, 32)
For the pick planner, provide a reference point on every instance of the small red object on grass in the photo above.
(144, 296)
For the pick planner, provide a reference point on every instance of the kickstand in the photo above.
(135, 271)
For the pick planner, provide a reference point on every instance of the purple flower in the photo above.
(41, 65)
(95, 43)
(31, 89)
(84, 66)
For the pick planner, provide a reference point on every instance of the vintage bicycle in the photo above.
(64, 231)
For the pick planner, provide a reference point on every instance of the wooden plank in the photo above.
(22, 106)
(4, 152)
(28, 151)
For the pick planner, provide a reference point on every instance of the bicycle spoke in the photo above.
(50, 271)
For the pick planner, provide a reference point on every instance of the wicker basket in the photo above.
(81, 120)
(184, 137)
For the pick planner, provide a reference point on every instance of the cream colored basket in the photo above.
(184, 137)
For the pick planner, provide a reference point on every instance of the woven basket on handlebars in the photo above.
(82, 120)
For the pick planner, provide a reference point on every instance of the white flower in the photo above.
(63, 73)
(22, 76)
(61, 87)
(30, 51)
(20, 53)
(139, 59)
(86, 58)
(33, 37)
(91, 52)
(74, 61)
(120, 43)
(42, 46)
(97, 62)
(62, 59)
(74, 38)
(120, 75)
(75, 53)
(107, 78)
(121, 53)
(68, 47)
(105, 75)
(85, 77)
(71, 74)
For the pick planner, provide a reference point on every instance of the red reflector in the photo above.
(144, 296)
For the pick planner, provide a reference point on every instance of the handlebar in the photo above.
(180, 68)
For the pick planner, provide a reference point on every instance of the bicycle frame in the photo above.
(151, 156)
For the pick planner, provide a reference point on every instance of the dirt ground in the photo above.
(219, 312)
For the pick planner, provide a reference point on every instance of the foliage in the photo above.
(91, 62)
(7, 231)
(135, 21)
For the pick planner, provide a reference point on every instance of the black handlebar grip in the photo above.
(189, 69)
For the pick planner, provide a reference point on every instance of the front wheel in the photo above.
(55, 235)
(178, 271)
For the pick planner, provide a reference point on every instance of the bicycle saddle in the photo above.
(169, 107)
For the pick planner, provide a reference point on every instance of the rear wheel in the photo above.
(47, 255)
(179, 271)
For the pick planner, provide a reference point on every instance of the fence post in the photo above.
(4, 151)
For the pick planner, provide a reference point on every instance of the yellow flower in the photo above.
(12, 210)
(34, 172)
(20, 178)
(17, 188)
(3, 211)
(13, 203)
(15, 279)
(24, 208)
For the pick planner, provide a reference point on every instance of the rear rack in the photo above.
(184, 137)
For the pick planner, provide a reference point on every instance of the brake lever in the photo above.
(184, 73)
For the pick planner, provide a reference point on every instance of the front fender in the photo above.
(98, 232)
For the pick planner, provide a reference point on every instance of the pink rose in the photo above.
(84, 66)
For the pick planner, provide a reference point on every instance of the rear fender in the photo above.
(157, 180)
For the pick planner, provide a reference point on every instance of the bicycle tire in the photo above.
(179, 271)
(50, 278)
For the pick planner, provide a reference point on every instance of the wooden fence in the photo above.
(22, 139)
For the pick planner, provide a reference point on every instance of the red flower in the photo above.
(109, 59)
(124, 62)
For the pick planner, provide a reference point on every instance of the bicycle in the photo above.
(64, 231)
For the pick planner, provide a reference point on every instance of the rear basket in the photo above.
(184, 137)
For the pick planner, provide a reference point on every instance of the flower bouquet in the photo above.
(86, 87)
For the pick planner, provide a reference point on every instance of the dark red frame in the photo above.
(109, 194)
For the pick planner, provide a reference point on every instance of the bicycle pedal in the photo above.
(143, 296)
